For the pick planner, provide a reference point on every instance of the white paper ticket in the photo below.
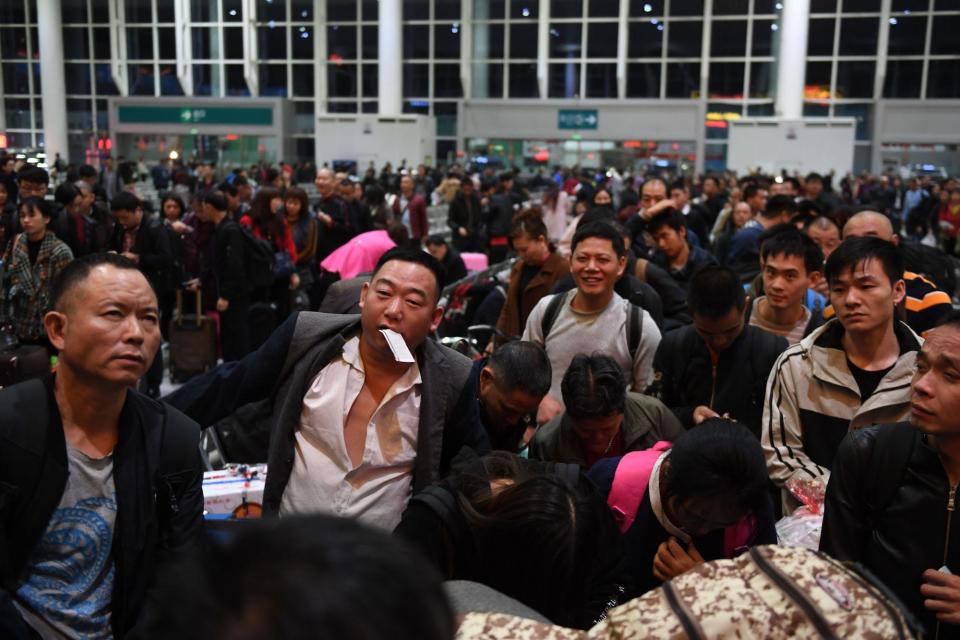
(401, 353)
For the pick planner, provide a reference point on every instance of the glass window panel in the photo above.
(369, 81)
(301, 10)
(859, 111)
(763, 37)
(446, 9)
(565, 39)
(342, 80)
(947, 5)
(416, 41)
(13, 43)
(487, 80)
(167, 43)
(76, 78)
(646, 8)
(685, 39)
(303, 117)
(564, 80)
(602, 40)
(731, 7)
(760, 74)
(643, 80)
(203, 10)
(141, 80)
(233, 42)
(944, 38)
(566, 8)
(909, 5)
(943, 80)
(169, 83)
(206, 80)
(416, 80)
(73, 11)
(728, 38)
(601, 80)
(236, 83)
(604, 8)
(271, 10)
(645, 40)
(524, 9)
(12, 13)
(75, 44)
(101, 43)
(35, 72)
(301, 42)
(523, 81)
(302, 75)
(760, 109)
(686, 7)
(903, 79)
(820, 37)
(487, 41)
(861, 6)
(232, 10)
(416, 106)
(446, 81)
(18, 113)
(138, 11)
(342, 107)
(140, 43)
(341, 10)
(907, 35)
(817, 77)
(446, 150)
(855, 79)
(523, 40)
(726, 79)
(416, 9)
(488, 9)
(306, 148)
(273, 80)
(761, 7)
(272, 43)
(715, 157)
(823, 6)
(165, 11)
(369, 10)
(858, 36)
(370, 43)
(446, 41)
(103, 80)
(683, 80)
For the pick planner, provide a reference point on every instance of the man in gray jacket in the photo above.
(355, 427)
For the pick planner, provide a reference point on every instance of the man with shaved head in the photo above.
(100, 485)
(925, 304)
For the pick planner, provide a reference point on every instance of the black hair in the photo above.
(791, 242)
(216, 199)
(528, 222)
(173, 196)
(436, 239)
(324, 572)
(78, 270)
(228, 188)
(598, 214)
(668, 218)
(240, 181)
(45, 207)
(714, 290)
(524, 366)
(856, 251)
(814, 176)
(779, 204)
(125, 201)
(87, 171)
(416, 256)
(66, 193)
(33, 175)
(751, 190)
(593, 386)
(720, 460)
(679, 183)
(952, 320)
(598, 230)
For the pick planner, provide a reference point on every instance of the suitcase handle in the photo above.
(179, 314)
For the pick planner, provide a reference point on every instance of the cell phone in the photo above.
(945, 569)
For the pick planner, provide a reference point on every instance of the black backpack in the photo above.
(634, 324)
(258, 260)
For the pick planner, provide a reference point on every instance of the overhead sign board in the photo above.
(577, 119)
(194, 115)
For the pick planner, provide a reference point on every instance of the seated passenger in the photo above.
(453, 266)
(601, 419)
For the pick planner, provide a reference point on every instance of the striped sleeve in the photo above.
(781, 432)
(926, 304)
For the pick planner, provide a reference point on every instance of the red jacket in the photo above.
(287, 242)
(418, 216)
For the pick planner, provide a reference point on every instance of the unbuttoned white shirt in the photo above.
(324, 478)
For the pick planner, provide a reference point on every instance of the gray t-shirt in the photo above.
(604, 332)
(69, 585)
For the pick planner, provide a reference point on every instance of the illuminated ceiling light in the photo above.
(893, 21)
(525, 12)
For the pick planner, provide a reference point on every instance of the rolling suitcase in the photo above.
(193, 342)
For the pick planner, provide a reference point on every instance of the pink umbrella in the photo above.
(358, 255)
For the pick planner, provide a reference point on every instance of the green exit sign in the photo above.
(577, 119)
(193, 115)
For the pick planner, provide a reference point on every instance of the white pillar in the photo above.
(792, 59)
(390, 58)
(52, 88)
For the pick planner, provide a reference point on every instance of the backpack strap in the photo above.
(738, 538)
(630, 482)
(634, 329)
(443, 503)
(794, 592)
(550, 314)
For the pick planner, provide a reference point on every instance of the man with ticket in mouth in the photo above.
(366, 409)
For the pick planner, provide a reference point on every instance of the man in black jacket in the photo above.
(454, 268)
(891, 497)
(233, 298)
(143, 240)
(719, 365)
(356, 425)
(463, 218)
(99, 485)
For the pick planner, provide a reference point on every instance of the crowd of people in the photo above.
(672, 365)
